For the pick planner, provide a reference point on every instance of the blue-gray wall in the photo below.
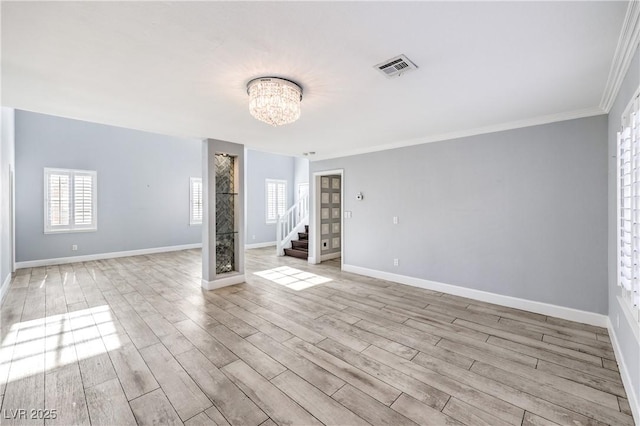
(628, 342)
(143, 186)
(300, 175)
(259, 167)
(521, 213)
(6, 163)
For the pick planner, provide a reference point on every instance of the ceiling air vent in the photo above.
(397, 66)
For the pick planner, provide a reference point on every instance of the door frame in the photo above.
(314, 216)
(12, 222)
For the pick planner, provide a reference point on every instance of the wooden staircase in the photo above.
(300, 247)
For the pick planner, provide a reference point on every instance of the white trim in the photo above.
(5, 287)
(260, 245)
(72, 226)
(223, 282)
(628, 110)
(12, 215)
(632, 396)
(570, 314)
(101, 256)
(529, 122)
(626, 278)
(276, 182)
(629, 315)
(192, 221)
(625, 50)
(68, 231)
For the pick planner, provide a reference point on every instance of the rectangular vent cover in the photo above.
(395, 67)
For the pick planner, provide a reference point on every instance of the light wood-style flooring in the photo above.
(136, 340)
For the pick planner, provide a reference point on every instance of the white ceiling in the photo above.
(181, 68)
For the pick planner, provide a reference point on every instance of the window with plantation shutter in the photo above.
(69, 200)
(195, 201)
(628, 158)
(276, 195)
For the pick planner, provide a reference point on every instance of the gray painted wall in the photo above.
(629, 345)
(6, 163)
(143, 186)
(301, 174)
(259, 167)
(519, 213)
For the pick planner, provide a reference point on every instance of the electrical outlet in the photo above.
(74, 247)
(253, 237)
(395, 262)
(395, 220)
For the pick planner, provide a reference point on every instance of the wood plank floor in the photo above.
(135, 340)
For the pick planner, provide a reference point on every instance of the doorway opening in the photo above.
(327, 224)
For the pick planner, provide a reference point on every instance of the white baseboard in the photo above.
(570, 314)
(101, 256)
(259, 245)
(632, 395)
(5, 287)
(223, 282)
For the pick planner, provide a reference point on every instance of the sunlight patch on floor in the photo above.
(44, 344)
(292, 278)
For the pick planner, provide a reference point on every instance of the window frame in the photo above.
(629, 262)
(192, 220)
(72, 227)
(276, 182)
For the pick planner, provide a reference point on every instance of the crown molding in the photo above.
(627, 44)
(529, 122)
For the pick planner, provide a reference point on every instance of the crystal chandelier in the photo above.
(275, 101)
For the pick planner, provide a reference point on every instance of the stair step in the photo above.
(300, 254)
(300, 244)
(303, 235)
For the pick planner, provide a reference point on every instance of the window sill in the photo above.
(69, 231)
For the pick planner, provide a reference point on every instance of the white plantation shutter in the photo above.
(59, 200)
(628, 157)
(195, 199)
(271, 202)
(82, 199)
(276, 195)
(282, 196)
(70, 200)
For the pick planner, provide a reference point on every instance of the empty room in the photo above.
(324, 212)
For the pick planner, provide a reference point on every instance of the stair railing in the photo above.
(290, 223)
